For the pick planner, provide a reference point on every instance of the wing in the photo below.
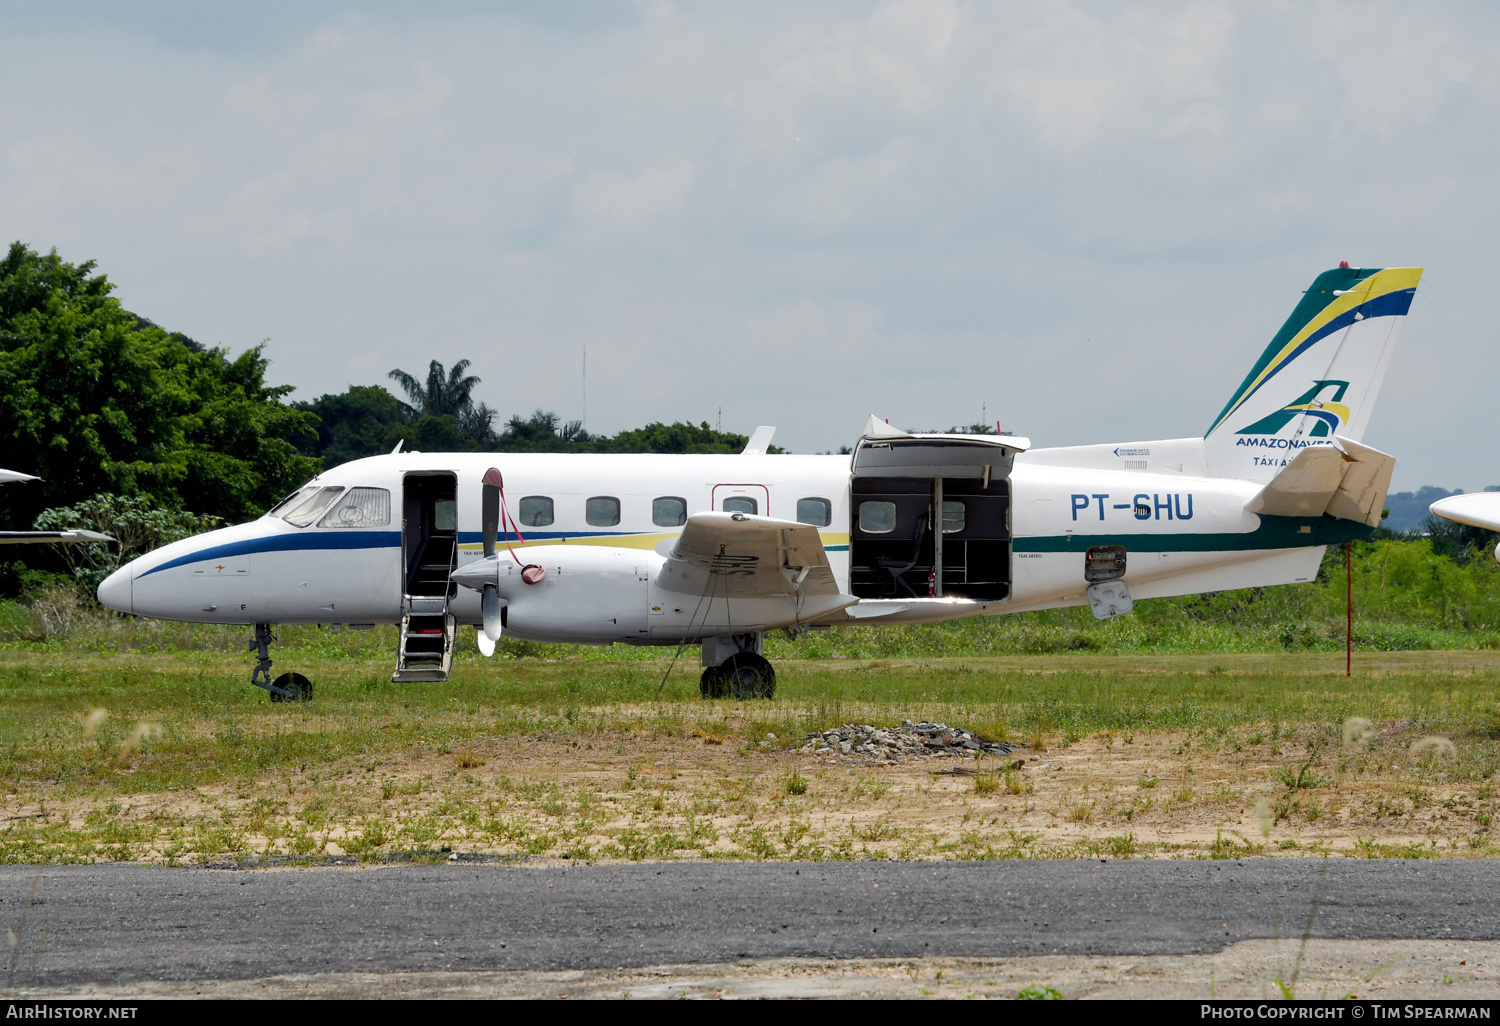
(752, 557)
(1349, 482)
(51, 537)
(1480, 509)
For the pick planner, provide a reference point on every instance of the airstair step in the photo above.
(425, 650)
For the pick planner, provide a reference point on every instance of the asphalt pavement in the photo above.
(123, 923)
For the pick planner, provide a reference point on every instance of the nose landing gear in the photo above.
(289, 687)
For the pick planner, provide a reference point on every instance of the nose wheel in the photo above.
(289, 687)
(294, 688)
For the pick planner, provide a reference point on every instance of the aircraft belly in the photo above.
(1053, 579)
(1264, 569)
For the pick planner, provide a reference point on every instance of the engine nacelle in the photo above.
(589, 593)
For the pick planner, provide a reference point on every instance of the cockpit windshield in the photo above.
(317, 500)
(282, 507)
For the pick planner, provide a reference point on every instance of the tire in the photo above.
(747, 675)
(711, 684)
(298, 688)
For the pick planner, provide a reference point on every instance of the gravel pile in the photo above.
(910, 741)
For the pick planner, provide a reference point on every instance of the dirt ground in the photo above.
(1326, 969)
(620, 796)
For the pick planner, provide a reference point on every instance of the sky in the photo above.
(1083, 221)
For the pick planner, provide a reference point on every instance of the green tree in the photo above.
(353, 424)
(659, 437)
(448, 394)
(441, 394)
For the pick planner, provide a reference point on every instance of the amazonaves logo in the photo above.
(1321, 402)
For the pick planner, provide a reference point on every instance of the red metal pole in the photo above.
(1349, 609)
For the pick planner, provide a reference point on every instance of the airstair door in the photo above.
(429, 548)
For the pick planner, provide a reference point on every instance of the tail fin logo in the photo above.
(1317, 402)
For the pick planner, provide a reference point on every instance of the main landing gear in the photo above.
(743, 673)
(289, 687)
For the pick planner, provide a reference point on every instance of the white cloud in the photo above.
(1079, 79)
(609, 202)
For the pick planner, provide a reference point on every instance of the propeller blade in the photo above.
(486, 646)
(490, 604)
(490, 510)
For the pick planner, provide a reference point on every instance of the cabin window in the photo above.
(953, 517)
(445, 515)
(876, 517)
(818, 512)
(362, 507)
(286, 504)
(306, 511)
(741, 504)
(669, 511)
(536, 511)
(602, 511)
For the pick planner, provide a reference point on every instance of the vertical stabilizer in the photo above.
(1320, 375)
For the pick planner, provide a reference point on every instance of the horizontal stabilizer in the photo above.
(1346, 480)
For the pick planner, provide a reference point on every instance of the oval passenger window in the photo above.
(876, 517)
(536, 511)
(669, 511)
(741, 504)
(602, 511)
(818, 512)
(953, 517)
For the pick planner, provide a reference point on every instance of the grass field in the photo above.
(170, 755)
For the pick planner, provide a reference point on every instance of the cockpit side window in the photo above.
(362, 507)
(306, 511)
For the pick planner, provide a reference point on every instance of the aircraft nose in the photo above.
(116, 591)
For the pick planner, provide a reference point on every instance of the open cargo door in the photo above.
(931, 514)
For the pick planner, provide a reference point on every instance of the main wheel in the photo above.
(711, 684)
(298, 688)
(747, 675)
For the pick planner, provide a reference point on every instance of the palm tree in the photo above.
(440, 396)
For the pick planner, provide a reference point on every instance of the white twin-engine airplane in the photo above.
(720, 549)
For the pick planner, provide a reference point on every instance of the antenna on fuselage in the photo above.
(399, 443)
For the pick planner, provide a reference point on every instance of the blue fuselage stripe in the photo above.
(286, 543)
(353, 540)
